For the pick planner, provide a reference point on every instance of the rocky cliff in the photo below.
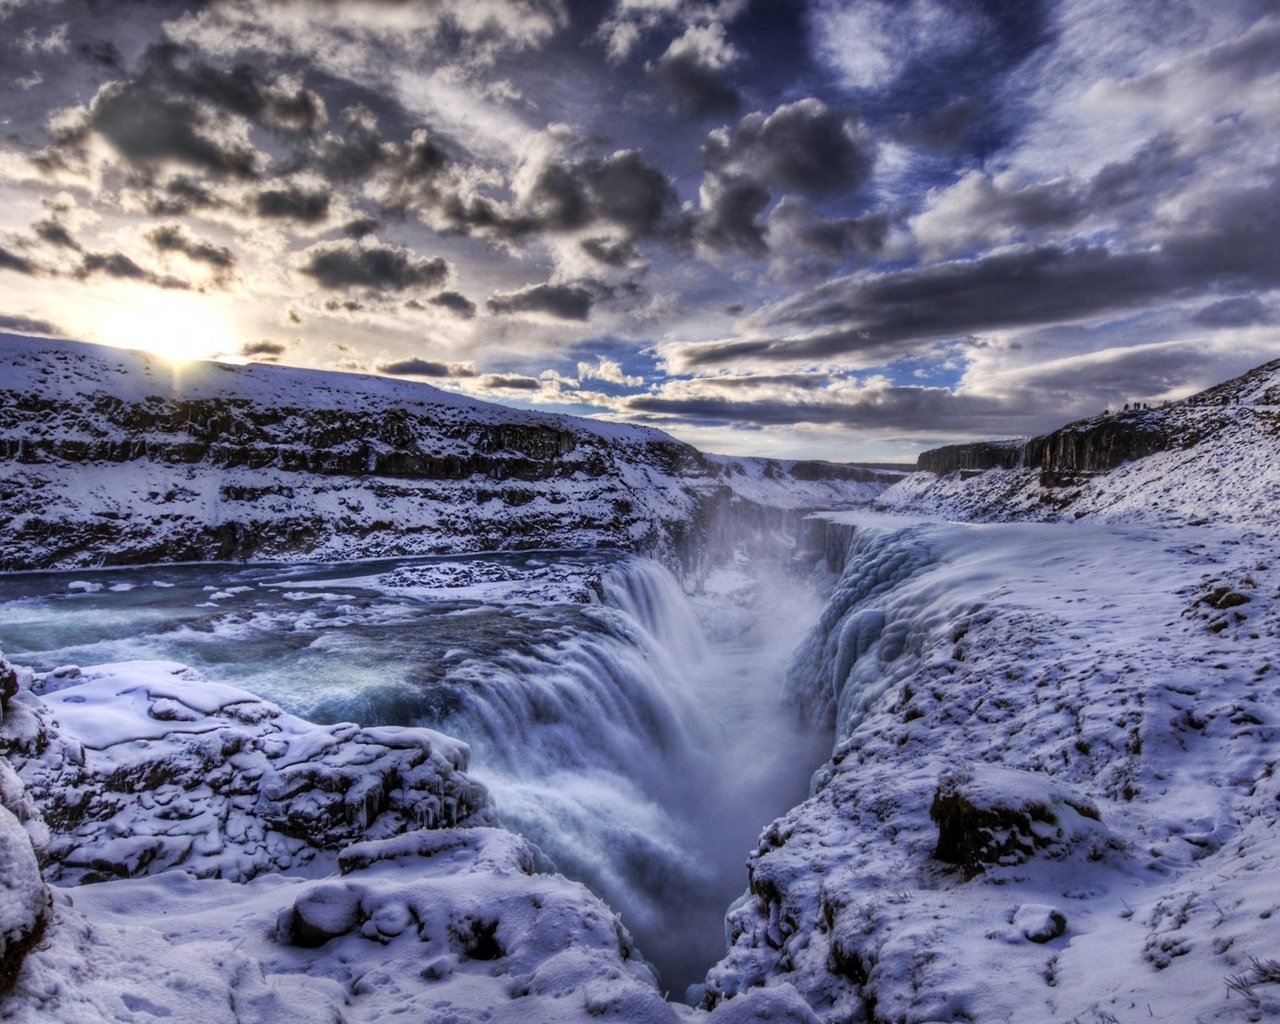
(1104, 442)
(1210, 456)
(114, 457)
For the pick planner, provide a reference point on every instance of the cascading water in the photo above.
(640, 755)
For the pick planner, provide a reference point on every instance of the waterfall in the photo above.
(647, 592)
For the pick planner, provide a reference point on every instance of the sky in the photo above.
(836, 229)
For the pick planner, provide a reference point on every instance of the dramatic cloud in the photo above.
(731, 210)
(293, 202)
(565, 302)
(425, 368)
(801, 147)
(692, 71)
(875, 223)
(30, 325)
(172, 238)
(265, 347)
(55, 234)
(455, 302)
(149, 128)
(12, 261)
(1225, 242)
(509, 382)
(124, 268)
(341, 265)
(620, 190)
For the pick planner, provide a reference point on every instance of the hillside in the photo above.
(117, 457)
(1210, 457)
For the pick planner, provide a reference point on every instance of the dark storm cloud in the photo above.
(509, 382)
(123, 268)
(294, 202)
(730, 215)
(240, 89)
(356, 151)
(800, 147)
(181, 195)
(1227, 243)
(798, 232)
(622, 190)
(693, 73)
(566, 302)
(360, 228)
(55, 234)
(148, 127)
(265, 347)
(425, 368)
(455, 302)
(12, 261)
(30, 325)
(340, 265)
(172, 238)
(1242, 311)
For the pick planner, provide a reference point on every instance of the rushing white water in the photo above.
(640, 753)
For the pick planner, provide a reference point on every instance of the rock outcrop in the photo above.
(146, 766)
(24, 898)
(1209, 457)
(1104, 442)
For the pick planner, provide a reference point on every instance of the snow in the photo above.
(116, 456)
(1219, 466)
(153, 767)
(1052, 794)
(1078, 668)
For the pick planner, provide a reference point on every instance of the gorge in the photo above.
(1044, 750)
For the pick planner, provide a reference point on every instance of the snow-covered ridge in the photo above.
(1210, 457)
(115, 457)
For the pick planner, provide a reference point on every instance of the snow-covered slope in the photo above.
(1212, 457)
(115, 457)
(1053, 795)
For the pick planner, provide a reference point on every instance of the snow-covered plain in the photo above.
(1052, 797)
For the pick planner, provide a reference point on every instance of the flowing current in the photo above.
(632, 732)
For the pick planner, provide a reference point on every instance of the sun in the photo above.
(177, 326)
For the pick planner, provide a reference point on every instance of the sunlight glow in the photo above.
(178, 326)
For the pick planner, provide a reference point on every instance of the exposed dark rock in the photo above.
(979, 456)
(322, 914)
(1104, 442)
(990, 816)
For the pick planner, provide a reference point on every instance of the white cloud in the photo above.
(869, 42)
(608, 370)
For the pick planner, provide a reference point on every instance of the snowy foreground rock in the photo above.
(147, 766)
